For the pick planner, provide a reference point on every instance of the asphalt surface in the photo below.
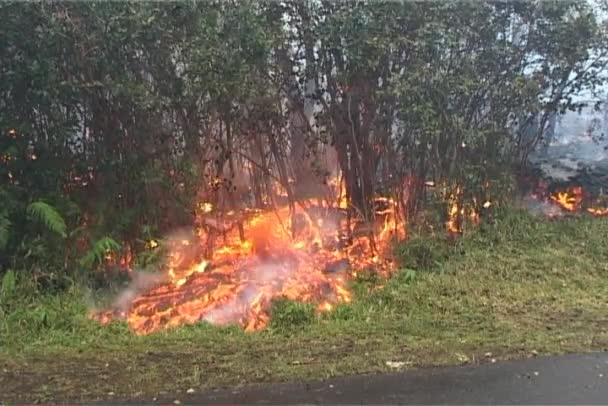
(570, 379)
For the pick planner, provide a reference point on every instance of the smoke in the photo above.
(182, 250)
(239, 282)
(231, 311)
(269, 276)
(140, 282)
(539, 207)
(579, 137)
(577, 156)
(264, 274)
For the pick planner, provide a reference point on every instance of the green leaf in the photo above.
(47, 215)
(410, 275)
(98, 251)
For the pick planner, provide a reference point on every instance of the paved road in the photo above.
(571, 379)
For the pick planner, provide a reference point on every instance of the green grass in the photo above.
(515, 287)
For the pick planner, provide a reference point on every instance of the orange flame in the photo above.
(570, 199)
(308, 256)
(452, 223)
(458, 210)
(599, 212)
(573, 200)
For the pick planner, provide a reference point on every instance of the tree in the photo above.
(125, 116)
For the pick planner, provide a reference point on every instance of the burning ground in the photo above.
(520, 286)
(236, 264)
(569, 178)
(303, 292)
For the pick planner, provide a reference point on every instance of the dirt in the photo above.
(582, 378)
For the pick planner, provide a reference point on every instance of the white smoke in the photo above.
(264, 274)
(262, 277)
(140, 282)
(143, 280)
(540, 207)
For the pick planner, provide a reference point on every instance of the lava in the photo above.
(306, 254)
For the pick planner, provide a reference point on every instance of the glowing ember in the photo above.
(206, 207)
(307, 255)
(123, 261)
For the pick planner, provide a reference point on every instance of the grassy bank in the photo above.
(518, 287)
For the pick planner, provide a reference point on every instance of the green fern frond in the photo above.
(98, 251)
(5, 225)
(48, 216)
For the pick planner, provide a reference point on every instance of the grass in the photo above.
(517, 287)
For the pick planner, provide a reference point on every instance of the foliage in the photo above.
(102, 247)
(436, 95)
(527, 285)
(122, 117)
(5, 224)
(287, 315)
(424, 254)
(7, 287)
(48, 216)
(118, 118)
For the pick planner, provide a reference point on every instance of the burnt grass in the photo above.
(518, 287)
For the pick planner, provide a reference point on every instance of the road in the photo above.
(570, 379)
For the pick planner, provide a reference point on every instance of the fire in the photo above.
(458, 210)
(572, 199)
(453, 223)
(569, 199)
(308, 255)
(122, 260)
(206, 207)
(599, 212)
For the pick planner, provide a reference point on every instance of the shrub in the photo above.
(423, 254)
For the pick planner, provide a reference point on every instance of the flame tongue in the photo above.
(570, 199)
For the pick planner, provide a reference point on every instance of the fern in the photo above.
(48, 216)
(98, 251)
(5, 225)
